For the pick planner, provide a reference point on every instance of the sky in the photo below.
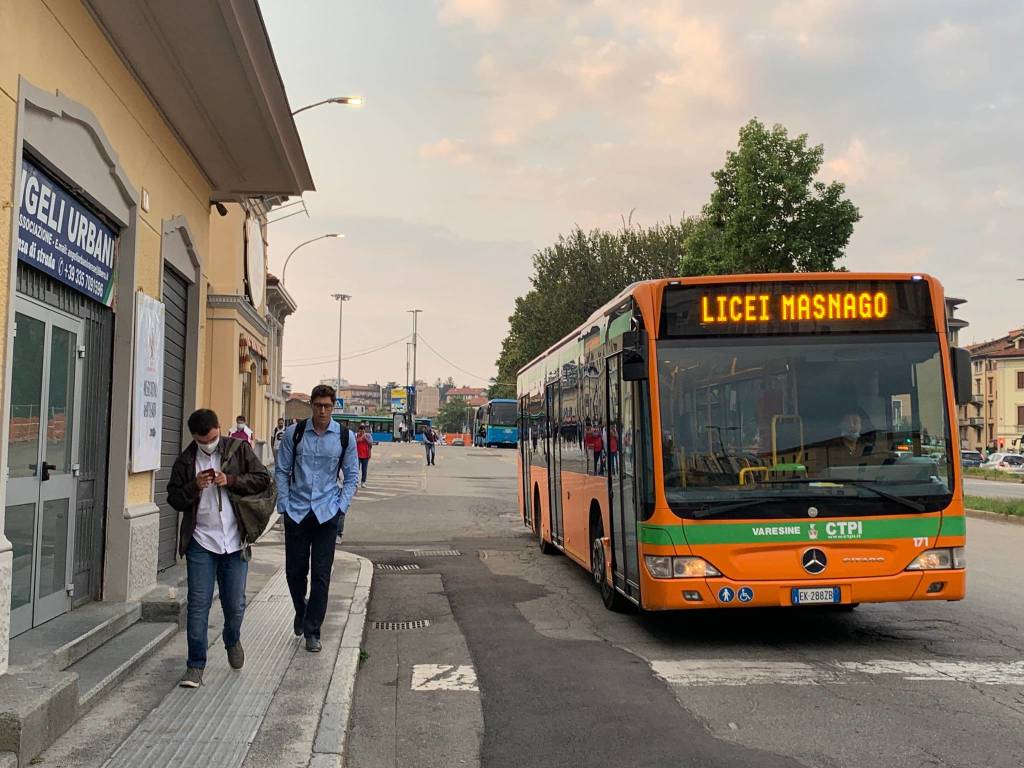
(492, 126)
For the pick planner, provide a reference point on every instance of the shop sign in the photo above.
(58, 235)
(147, 400)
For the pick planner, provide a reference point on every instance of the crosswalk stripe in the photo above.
(730, 672)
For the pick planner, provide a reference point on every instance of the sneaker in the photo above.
(313, 644)
(193, 678)
(236, 656)
(297, 626)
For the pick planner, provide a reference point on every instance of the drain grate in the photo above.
(396, 566)
(435, 553)
(400, 625)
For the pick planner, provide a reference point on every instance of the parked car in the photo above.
(458, 441)
(971, 459)
(1005, 462)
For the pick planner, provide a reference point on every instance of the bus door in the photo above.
(621, 478)
(554, 407)
(525, 458)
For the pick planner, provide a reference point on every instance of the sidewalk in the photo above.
(285, 708)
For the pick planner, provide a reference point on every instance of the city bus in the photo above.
(752, 440)
(496, 423)
(381, 427)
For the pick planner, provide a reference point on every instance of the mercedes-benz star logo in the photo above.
(814, 561)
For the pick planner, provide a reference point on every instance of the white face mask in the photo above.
(209, 448)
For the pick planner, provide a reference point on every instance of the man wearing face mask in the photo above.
(210, 537)
(852, 447)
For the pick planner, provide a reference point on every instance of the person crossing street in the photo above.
(364, 446)
(430, 445)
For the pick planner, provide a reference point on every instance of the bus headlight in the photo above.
(664, 567)
(939, 559)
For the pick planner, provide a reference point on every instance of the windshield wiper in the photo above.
(916, 506)
(723, 507)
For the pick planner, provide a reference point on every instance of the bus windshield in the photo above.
(772, 426)
(502, 415)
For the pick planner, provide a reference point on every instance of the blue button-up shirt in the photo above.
(309, 482)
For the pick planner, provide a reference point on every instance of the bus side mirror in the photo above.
(961, 360)
(634, 366)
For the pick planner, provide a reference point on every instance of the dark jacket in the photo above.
(246, 476)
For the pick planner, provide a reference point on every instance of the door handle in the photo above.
(46, 471)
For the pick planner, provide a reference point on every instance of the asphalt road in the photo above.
(993, 489)
(515, 662)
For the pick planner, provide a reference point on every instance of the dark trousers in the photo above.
(363, 464)
(309, 551)
(229, 572)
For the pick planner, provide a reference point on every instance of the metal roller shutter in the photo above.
(175, 300)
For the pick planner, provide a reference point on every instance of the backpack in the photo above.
(300, 430)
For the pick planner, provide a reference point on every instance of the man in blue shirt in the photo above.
(316, 480)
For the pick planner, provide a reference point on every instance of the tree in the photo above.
(573, 278)
(453, 416)
(768, 213)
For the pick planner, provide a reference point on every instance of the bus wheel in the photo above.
(546, 547)
(612, 599)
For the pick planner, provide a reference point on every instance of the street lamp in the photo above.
(412, 404)
(284, 269)
(342, 298)
(353, 101)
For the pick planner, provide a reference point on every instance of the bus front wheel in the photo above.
(613, 600)
(546, 547)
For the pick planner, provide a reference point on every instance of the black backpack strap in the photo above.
(300, 430)
(343, 436)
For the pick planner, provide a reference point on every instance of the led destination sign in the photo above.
(764, 308)
(791, 307)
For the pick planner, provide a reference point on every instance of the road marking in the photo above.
(729, 672)
(444, 677)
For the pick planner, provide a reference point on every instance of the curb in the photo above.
(332, 730)
(984, 514)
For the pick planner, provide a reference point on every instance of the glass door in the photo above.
(621, 478)
(42, 462)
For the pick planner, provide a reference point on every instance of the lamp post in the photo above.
(284, 269)
(412, 405)
(342, 298)
(354, 101)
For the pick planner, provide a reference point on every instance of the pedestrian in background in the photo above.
(430, 444)
(210, 536)
(316, 477)
(364, 446)
(242, 431)
(275, 438)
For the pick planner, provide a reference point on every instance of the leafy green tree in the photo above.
(453, 416)
(573, 278)
(769, 212)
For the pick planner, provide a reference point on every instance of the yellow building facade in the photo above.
(133, 288)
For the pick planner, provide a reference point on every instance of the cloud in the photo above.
(483, 14)
(455, 151)
(851, 166)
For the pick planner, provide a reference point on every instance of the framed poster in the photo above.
(147, 383)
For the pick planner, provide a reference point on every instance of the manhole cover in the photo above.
(396, 566)
(435, 553)
(399, 625)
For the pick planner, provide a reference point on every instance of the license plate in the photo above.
(815, 595)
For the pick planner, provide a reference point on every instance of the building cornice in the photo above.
(238, 304)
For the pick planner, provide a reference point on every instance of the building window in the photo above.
(247, 396)
(990, 386)
(1020, 416)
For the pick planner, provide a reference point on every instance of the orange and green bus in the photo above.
(752, 440)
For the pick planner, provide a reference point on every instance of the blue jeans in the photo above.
(363, 464)
(229, 571)
(430, 452)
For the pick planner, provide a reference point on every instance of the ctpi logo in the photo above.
(812, 532)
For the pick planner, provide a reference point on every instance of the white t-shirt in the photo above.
(216, 529)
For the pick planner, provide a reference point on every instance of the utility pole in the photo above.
(342, 298)
(412, 404)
